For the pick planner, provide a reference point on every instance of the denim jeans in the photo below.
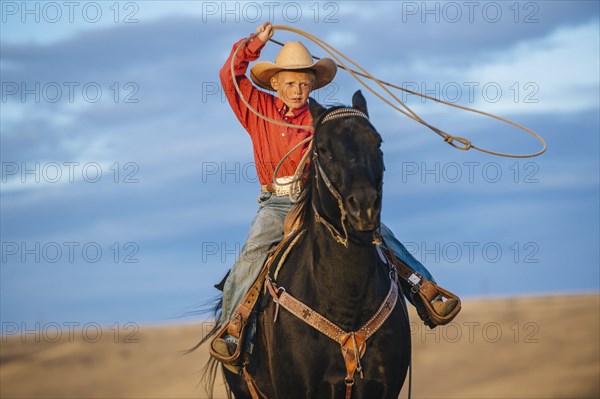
(266, 231)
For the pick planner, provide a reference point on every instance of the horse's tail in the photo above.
(214, 309)
(209, 375)
(209, 372)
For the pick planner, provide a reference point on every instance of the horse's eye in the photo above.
(324, 151)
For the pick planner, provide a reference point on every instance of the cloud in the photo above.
(196, 182)
(556, 73)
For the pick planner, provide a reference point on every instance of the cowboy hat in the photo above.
(293, 56)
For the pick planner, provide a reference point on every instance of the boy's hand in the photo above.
(265, 31)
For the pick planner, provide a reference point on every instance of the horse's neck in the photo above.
(346, 277)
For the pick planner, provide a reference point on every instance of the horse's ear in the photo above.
(359, 102)
(315, 108)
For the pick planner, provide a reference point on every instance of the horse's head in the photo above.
(348, 167)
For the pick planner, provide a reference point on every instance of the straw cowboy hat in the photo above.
(293, 56)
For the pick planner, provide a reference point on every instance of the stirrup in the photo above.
(236, 327)
(429, 291)
(222, 346)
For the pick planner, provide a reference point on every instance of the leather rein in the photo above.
(352, 344)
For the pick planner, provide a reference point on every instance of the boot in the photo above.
(443, 308)
(435, 305)
(226, 348)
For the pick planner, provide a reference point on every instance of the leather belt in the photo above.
(271, 188)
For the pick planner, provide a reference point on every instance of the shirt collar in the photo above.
(283, 109)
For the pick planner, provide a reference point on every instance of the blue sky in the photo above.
(128, 185)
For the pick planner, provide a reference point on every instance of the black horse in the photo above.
(335, 269)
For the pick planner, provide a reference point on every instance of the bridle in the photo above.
(352, 343)
(320, 173)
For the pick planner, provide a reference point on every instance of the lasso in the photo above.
(464, 143)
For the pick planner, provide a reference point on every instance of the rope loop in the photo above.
(466, 143)
(396, 104)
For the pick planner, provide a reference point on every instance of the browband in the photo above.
(342, 113)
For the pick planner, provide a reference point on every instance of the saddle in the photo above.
(237, 326)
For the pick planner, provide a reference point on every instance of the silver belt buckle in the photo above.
(281, 190)
(283, 186)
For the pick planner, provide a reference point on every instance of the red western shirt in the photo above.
(271, 142)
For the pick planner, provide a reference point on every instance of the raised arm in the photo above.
(250, 52)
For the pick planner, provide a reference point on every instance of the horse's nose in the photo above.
(364, 207)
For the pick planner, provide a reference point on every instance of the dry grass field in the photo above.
(525, 347)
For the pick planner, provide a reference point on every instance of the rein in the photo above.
(334, 232)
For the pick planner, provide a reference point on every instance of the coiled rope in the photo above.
(464, 143)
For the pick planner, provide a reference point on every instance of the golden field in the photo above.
(524, 347)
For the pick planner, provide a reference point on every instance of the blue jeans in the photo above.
(266, 231)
